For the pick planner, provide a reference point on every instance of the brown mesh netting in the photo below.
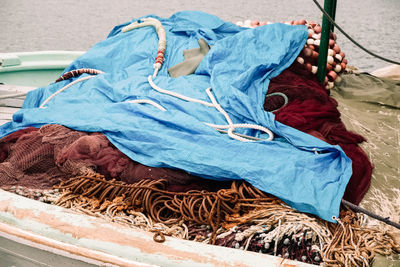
(40, 158)
(30, 157)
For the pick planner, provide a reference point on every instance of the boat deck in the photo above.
(9, 105)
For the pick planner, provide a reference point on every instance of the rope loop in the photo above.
(158, 237)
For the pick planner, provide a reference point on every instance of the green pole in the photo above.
(330, 8)
(333, 14)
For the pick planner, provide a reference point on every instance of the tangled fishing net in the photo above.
(238, 216)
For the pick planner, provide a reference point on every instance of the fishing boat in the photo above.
(34, 233)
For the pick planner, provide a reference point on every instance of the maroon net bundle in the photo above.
(29, 156)
(310, 109)
(41, 158)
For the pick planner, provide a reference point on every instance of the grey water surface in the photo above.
(32, 25)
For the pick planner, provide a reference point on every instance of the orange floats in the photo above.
(306, 63)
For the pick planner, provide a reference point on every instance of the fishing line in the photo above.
(350, 38)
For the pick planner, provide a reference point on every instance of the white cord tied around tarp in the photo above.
(162, 45)
(69, 75)
(230, 126)
(65, 87)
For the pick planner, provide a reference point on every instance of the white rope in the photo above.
(231, 127)
(219, 129)
(64, 88)
(162, 44)
(156, 69)
(189, 99)
(277, 237)
(147, 101)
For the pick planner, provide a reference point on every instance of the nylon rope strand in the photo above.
(64, 88)
(162, 39)
(65, 76)
(153, 199)
(353, 244)
(77, 72)
(69, 75)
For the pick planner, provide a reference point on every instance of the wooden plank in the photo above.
(11, 90)
(8, 110)
(6, 116)
(6, 89)
(12, 102)
(3, 121)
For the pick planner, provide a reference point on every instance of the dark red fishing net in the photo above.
(30, 154)
(310, 109)
(7, 141)
(41, 158)
(95, 149)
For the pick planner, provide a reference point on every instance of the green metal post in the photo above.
(330, 8)
(333, 13)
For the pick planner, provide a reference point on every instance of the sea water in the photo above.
(32, 25)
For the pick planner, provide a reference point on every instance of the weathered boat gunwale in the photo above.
(38, 60)
(34, 68)
(89, 238)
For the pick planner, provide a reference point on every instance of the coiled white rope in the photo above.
(230, 126)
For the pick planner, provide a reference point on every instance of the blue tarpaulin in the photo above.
(305, 172)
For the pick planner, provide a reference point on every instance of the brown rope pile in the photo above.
(151, 198)
(354, 245)
(346, 243)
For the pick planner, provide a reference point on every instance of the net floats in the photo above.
(306, 63)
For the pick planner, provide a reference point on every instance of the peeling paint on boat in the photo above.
(92, 238)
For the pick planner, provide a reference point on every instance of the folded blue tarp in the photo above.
(307, 173)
